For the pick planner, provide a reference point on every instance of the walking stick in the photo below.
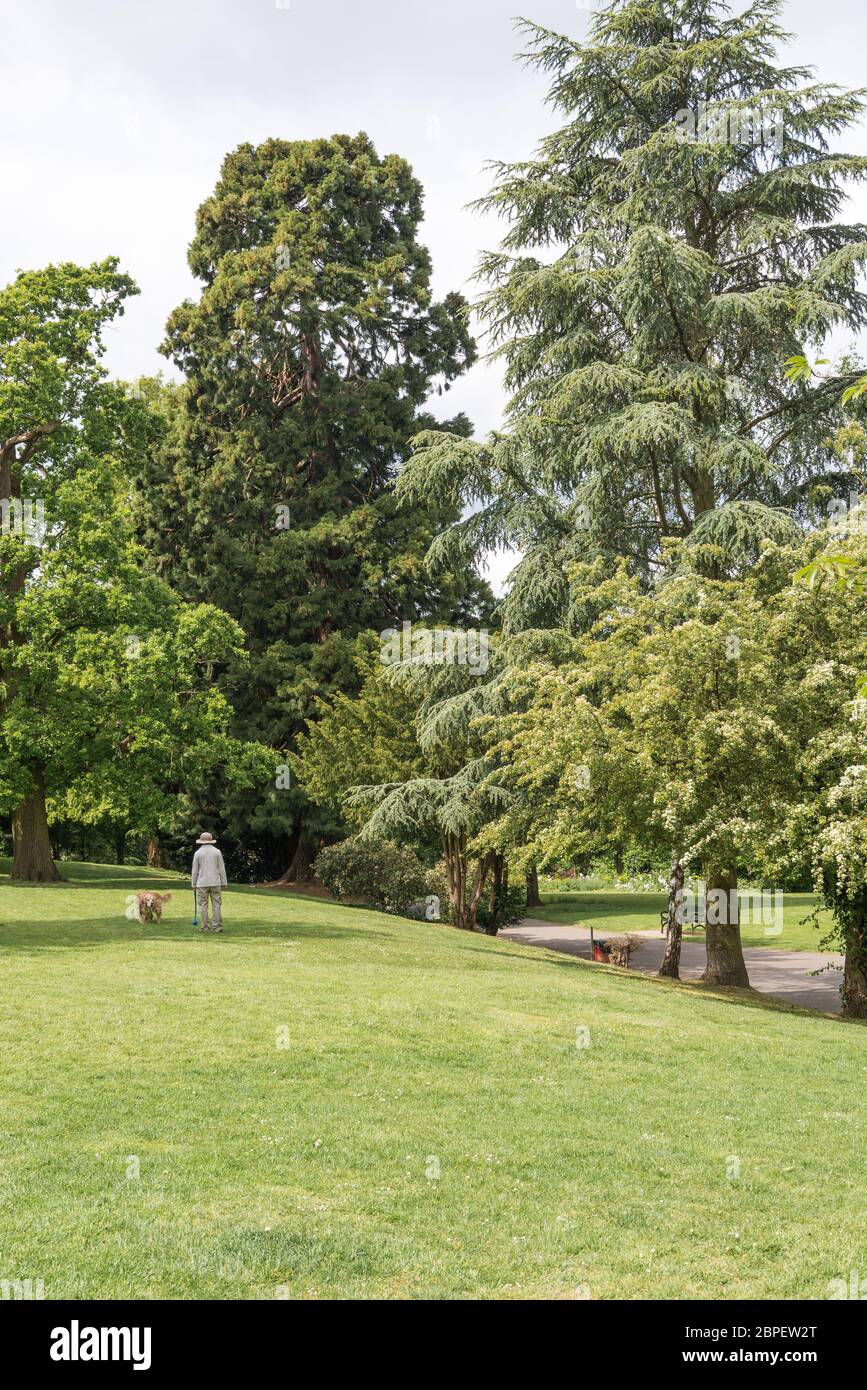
(195, 909)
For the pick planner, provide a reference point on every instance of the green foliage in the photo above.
(308, 359)
(369, 737)
(371, 871)
(855, 391)
(107, 698)
(505, 908)
(647, 288)
(840, 571)
(681, 722)
(413, 724)
(714, 720)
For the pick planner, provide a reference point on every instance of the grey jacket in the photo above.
(209, 871)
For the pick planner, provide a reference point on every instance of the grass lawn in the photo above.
(430, 1129)
(640, 912)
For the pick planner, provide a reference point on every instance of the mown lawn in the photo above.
(429, 1130)
(640, 912)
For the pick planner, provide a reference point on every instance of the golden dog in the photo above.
(150, 905)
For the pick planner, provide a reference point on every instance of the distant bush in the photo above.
(371, 871)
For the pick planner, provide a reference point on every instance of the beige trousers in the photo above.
(216, 907)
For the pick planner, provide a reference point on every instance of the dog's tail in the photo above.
(167, 897)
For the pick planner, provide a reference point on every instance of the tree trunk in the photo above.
(670, 966)
(485, 863)
(32, 861)
(155, 853)
(464, 904)
(498, 881)
(533, 899)
(456, 874)
(853, 993)
(120, 846)
(725, 957)
(299, 869)
(499, 870)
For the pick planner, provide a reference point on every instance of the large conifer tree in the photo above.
(668, 249)
(307, 358)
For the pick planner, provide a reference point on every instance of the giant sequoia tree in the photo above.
(307, 359)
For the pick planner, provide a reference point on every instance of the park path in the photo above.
(784, 974)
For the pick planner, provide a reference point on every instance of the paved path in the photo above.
(784, 974)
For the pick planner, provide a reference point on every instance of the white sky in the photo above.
(115, 117)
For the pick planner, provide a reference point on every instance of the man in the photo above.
(209, 879)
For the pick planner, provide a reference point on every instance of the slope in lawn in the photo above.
(331, 1102)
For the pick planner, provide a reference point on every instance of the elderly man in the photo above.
(209, 879)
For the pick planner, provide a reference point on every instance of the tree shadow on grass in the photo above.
(48, 935)
(88, 929)
(131, 877)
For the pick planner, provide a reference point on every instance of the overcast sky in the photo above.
(114, 119)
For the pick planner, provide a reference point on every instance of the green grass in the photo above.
(301, 1171)
(640, 912)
